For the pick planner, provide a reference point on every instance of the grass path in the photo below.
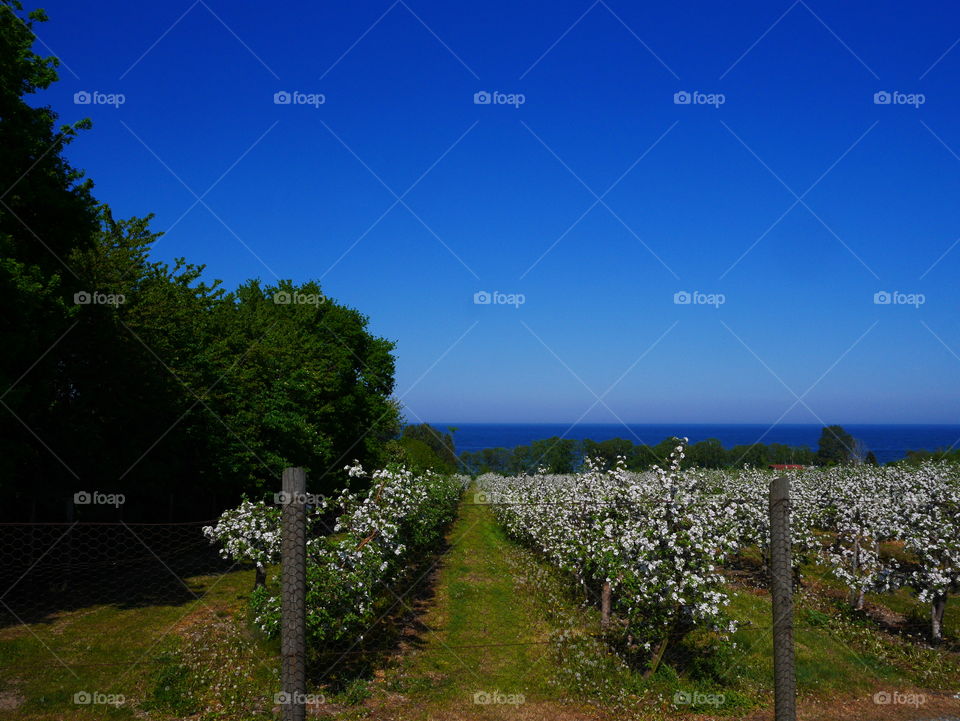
(482, 618)
(484, 637)
(118, 651)
(486, 628)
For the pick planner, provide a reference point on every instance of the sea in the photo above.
(888, 442)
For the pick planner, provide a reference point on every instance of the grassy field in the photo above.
(166, 661)
(489, 632)
(502, 620)
(484, 649)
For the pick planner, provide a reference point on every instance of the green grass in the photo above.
(825, 663)
(167, 660)
(491, 591)
(487, 630)
(499, 620)
(478, 604)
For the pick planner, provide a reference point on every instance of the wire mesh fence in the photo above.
(94, 602)
(51, 568)
(99, 616)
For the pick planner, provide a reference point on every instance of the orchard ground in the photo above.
(476, 639)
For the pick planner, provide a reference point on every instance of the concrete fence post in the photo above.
(293, 608)
(781, 590)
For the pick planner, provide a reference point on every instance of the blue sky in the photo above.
(599, 198)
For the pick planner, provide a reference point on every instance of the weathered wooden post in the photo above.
(293, 609)
(605, 603)
(781, 589)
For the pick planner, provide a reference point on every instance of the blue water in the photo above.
(888, 442)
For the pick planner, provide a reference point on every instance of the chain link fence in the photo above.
(138, 617)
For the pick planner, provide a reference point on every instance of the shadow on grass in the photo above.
(46, 569)
(400, 628)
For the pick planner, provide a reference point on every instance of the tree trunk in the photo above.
(605, 606)
(657, 657)
(937, 608)
(856, 594)
(260, 579)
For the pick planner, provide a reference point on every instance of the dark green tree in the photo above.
(440, 443)
(609, 450)
(172, 391)
(756, 455)
(836, 447)
(707, 454)
(46, 212)
(418, 456)
(557, 455)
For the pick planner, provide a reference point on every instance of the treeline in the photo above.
(138, 380)
(566, 455)
(425, 448)
(951, 455)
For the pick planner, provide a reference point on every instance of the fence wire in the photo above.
(48, 570)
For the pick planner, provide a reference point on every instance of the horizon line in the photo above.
(670, 423)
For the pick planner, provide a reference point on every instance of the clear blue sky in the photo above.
(506, 198)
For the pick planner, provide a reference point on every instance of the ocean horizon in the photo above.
(889, 442)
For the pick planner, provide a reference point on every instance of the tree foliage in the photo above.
(566, 455)
(123, 374)
(836, 447)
